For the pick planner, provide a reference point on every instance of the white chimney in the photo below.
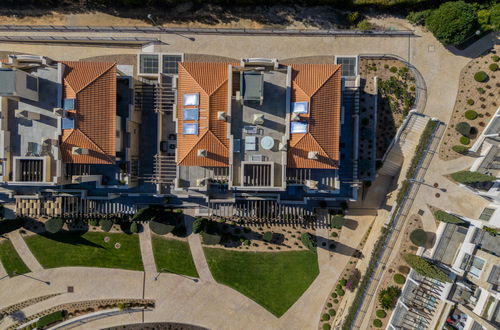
(221, 115)
(202, 153)
(312, 155)
(80, 151)
(295, 117)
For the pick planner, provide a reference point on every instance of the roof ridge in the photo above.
(319, 144)
(194, 145)
(199, 141)
(324, 82)
(92, 141)
(97, 77)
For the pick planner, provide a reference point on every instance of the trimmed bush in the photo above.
(460, 149)
(334, 295)
(388, 297)
(54, 225)
(464, 140)
(418, 237)
(325, 317)
(337, 222)
(199, 225)
(134, 227)
(481, 76)
(332, 312)
(106, 224)
(481, 90)
(377, 323)
(343, 282)
(398, 279)
(340, 292)
(470, 114)
(326, 326)
(381, 314)
(309, 241)
(393, 69)
(495, 58)
(425, 268)
(210, 239)
(470, 101)
(268, 236)
(334, 234)
(468, 177)
(443, 216)
(94, 222)
(49, 319)
(493, 67)
(161, 227)
(463, 128)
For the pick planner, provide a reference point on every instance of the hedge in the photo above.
(468, 177)
(481, 76)
(470, 114)
(106, 224)
(398, 279)
(50, 319)
(443, 216)
(210, 239)
(309, 241)
(134, 227)
(425, 268)
(460, 149)
(463, 128)
(464, 140)
(161, 227)
(54, 225)
(418, 237)
(381, 313)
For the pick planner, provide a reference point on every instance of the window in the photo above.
(300, 107)
(148, 64)
(298, 127)
(190, 114)
(190, 129)
(486, 214)
(349, 66)
(191, 99)
(32, 83)
(170, 63)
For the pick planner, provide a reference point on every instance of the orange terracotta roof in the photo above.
(320, 85)
(210, 80)
(93, 85)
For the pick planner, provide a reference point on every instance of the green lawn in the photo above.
(174, 256)
(89, 249)
(275, 280)
(10, 259)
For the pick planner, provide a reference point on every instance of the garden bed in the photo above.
(476, 103)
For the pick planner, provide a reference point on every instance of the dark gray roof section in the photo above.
(7, 82)
(252, 83)
(494, 127)
(449, 243)
(487, 242)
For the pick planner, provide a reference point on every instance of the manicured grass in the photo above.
(275, 280)
(173, 256)
(66, 249)
(11, 261)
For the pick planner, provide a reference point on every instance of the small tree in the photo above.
(418, 237)
(463, 128)
(268, 236)
(469, 177)
(443, 216)
(309, 241)
(453, 22)
(106, 224)
(54, 225)
(425, 268)
(388, 297)
(199, 225)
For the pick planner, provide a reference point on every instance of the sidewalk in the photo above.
(148, 259)
(24, 251)
(197, 249)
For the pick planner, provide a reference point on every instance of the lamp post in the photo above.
(33, 278)
(164, 270)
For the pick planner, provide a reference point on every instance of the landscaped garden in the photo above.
(273, 280)
(476, 103)
(12, 263)
(173, 256)
(90, 249)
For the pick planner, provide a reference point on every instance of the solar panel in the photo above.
(191, 114)
(298, 127)
(190, 129)
(191, 99)
(300, 107)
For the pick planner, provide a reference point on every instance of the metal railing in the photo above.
(174, 30)
(79, 39)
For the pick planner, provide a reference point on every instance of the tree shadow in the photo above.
(350, 223)
(337, 247)
(431, 239)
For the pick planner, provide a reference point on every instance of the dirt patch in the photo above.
(481, 97)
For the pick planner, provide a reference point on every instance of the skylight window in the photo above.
(190, 114)
(300, 107)
(190, 129)
(191, 99)
(69, 104)
(298, 127)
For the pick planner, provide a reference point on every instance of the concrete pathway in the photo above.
(3, 272)
(24, 251)
(194, 241)
(148, 258)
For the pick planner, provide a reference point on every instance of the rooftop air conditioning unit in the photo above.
(80, 151)
(312, 155)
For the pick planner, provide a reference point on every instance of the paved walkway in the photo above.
(24, 251)
(194, 241)
(148, 258)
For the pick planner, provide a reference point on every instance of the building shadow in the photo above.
(71, 237)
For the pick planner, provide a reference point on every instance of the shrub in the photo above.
(493, 67)
(134, 227)
(393, 69)
(381, 313)
(464, 140)
(418, 17)
(340, 292)
(94, 222)
(388, 297)
(343, 282)
(481, 76)
(463, 128)
(363, 25)
(326, 326)
(325, 317)
(334, 234)
(210, 239)
(495, 58)
(268, 236)
(332, 312)
(398, 279)
(352, 17)
(468, 177)
(377, 323)
(460, 149)
(425, 268)
(199, 225)
(481, 90)
(470, 114)
(54, 225)
(49, 319)
(453, 22)
(106, 224)
(470, 101)
(337, 221)
(334, 295)
(495, 19)
(418, 237)
(443, 216)
(353, 281)
(160, 227)
(309, 241)
(180, 231)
